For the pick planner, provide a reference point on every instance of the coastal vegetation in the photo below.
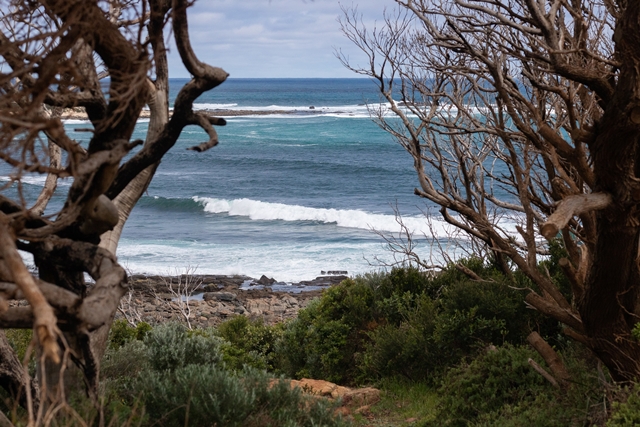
(110, 59)
(520, 110)
(444, 350)
(529, 111)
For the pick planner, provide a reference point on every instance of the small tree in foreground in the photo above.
(527, 112)
(53, 54)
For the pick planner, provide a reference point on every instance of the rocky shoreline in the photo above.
(79, 113)
(208, 300)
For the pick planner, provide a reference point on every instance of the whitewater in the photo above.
(293, 189)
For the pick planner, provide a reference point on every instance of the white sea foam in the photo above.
(37, 180)
(353, 111)
(340, 111)
(210, 106)
(296, 260)
(75, 122)
(351, 218)
(288, 263)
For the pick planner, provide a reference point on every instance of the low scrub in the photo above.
(178, 377)
(404, 323)
(207, 395)
(249, 343)
(626, 412)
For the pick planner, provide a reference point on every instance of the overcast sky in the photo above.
(274, 38)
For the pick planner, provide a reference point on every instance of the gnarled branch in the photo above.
(571, 206)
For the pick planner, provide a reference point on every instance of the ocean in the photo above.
(287, 195)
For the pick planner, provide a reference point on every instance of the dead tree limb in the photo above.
(572, 206)
(550, 357)
(547, 376)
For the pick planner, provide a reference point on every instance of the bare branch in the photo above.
(547, 376)
(45, 321)
(570, 207)
(205, 123)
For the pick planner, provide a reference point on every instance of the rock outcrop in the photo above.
(352, 400)
(208, 300)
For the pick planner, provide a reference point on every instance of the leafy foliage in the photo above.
(172, 346)
(626, 414)
(207, 395)
(250, 343)
(498, 377)
(19, 340)
(178, 377)
(121, 333)
(403, 323)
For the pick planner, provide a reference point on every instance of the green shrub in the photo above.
(250, 343)
(122, 332)
(352, 302)
(406, 349)
(405, 280)
(403, 323)
(393, 351)
(207, 396)
(626, 414)
(124, 362)
(497, 379)
(327, 337)
(177, 377)
(317, 348)
(171, 346)
(635, 332)
(493, 302)
(19, 340)
(462, 333)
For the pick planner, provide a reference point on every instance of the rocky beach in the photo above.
(208, 300)
(79, 113)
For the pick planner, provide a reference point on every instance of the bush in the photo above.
(19, 340)
(208, 395)
(496, 378)
(171, 346)
(490, 307)
(177, 377)
(316, 347)
(121, 333)
(326, 338)
(626, 414)
(124, 362)
(406, 349)
(403, 323)
(250, 343)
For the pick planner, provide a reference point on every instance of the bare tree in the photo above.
(181, 288)
(527, 112)
(53, 54)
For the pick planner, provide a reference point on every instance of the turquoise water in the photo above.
(285, 195)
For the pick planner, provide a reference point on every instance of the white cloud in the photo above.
(273, 38)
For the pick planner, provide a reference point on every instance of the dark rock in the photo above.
(219, 296)
(264, 280)
(212, 287)
(324, 281)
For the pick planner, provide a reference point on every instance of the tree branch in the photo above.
(551, 309)
(45, 321)
(205, 122)
(569, 207)
(551, 357)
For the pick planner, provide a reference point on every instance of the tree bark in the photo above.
(550, 357)
(13, 377)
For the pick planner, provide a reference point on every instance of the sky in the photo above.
(274, 38)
